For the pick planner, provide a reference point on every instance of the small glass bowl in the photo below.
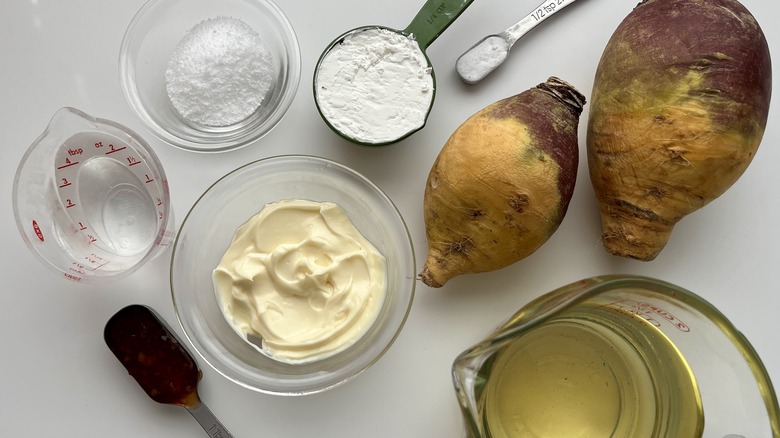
(154, 33)
(208, 230)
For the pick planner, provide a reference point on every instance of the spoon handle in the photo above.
(433, 18)
(542, 12)
(208, 421)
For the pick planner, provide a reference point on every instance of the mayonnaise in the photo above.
(301, 277)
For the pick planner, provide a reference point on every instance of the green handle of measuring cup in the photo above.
(434, 17)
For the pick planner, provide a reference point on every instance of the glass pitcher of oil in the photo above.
(616, 356)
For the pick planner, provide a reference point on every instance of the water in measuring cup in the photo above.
(110, 196)
(117, 206)
(591, 371)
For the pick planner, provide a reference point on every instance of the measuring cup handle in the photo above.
(434, 17)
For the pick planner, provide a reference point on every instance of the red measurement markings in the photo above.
(65, 183)
(78, 268)
(99, 266)
(112, 149)
(67, 164)
(71, 277)
(159, 202)
(81, 269)
(149, 179)
(666, 315)
(69, 203)
(132, 161)
(96, 261)
(91, 238)
(37, 230)
(630, 307)
(82, 227)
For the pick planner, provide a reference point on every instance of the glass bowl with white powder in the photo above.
(210, 76)
(207, 233)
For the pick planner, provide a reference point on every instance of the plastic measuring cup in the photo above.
(430, 22)
(91, 199)
(616, 356)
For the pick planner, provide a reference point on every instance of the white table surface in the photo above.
(57, 378)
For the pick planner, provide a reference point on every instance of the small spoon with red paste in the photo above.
(163, 367)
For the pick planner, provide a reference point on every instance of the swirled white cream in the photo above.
(301, 277)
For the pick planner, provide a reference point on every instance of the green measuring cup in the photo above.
(430, 22)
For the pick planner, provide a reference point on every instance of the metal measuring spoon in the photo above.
(491, 51)
(431, 20)
(163, 367)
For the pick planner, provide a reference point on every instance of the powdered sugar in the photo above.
(219, 73)
(375, 86)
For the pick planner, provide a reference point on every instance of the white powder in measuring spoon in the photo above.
(375, 86)
(219, 73)
(482, 58)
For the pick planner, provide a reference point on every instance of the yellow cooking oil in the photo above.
(591, 371)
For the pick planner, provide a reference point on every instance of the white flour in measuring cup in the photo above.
(375, 86)
(219, 73)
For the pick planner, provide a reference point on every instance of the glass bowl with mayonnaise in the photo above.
(292, 274)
